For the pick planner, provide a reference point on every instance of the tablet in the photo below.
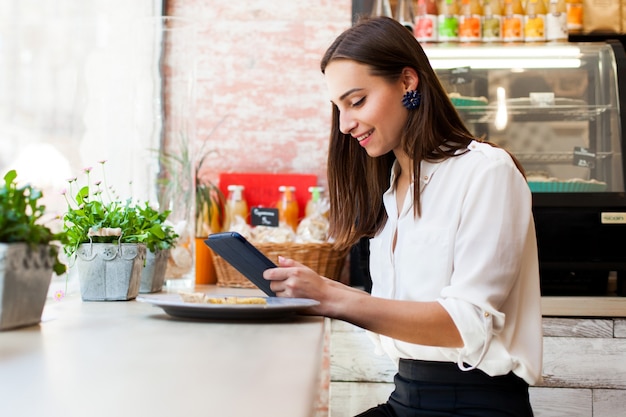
(243, 256)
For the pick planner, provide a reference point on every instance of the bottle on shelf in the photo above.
(287, 206)
(404, 13)
(535, 21)
(492, 21)
(574, 14)
(513, 21)
(448, 21)
(470, 21)
(381, 8)
(425, 28)
(316, 206)
(556, 21)
(236, 206)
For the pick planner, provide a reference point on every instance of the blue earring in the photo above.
(412, 99)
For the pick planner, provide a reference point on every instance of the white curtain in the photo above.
(66, 96)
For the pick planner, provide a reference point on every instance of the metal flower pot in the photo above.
(153, 275)
(110, 271)
(25, 275)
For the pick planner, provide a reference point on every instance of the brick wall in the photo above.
(258, 74)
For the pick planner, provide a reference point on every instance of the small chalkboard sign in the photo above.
(264, 216)
(584, 158)
(460, 75)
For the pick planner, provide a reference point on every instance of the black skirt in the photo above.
(441, 389)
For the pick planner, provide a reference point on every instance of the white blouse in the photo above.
(474, 251)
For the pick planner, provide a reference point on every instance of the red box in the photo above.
(261, 189)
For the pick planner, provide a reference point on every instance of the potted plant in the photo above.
(159, 238)
(108, 238)
(28, 254)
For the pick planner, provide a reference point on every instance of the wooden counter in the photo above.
(126, 358)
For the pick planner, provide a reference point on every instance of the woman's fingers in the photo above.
(290, 278)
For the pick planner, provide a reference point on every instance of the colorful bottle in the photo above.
(470, 21)
(492, 21)
(425, 29)
(404, 13)
(513, 21)
(574, 14)
(535, 21)
(313, 206)
(236, 206)
(448, 21)
(556, 21)
(381, 8)
(288, 207)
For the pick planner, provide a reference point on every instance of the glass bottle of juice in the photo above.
(470, 21)
(404, 13)
(425, 29)
(448, 21)
(236, 206)
(513, 21)
(574, 14)
(556, 21)
(312, 206)
(381, 8)
(288, 206)
(535, 21)
(492, 21)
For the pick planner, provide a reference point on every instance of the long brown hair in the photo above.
(433, 132)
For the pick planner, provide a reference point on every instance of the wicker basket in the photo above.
(321, 257)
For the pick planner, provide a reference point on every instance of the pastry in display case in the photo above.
(558, 108)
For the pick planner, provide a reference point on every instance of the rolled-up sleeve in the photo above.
(477, 327)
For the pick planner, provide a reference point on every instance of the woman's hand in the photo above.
(292, 279)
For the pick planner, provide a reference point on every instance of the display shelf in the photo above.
(560, 113)
(555, 157)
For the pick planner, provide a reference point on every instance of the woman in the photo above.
(455, 300)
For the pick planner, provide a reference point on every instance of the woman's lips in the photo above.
(364, 138)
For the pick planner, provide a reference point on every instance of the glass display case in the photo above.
(558, 109)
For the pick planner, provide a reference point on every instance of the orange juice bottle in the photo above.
(448, 21)
(425, 28)
(574, 14)
(470, 21)
(288, 207)
(513, 21)
(492, 21)
(535, 21)
(556, 21)
(236, 205)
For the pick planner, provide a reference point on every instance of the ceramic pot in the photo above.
(25, 275)
(110, 271)
(153, 274)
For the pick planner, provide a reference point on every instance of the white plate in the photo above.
(276, 307)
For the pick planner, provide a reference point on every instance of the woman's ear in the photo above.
(410, 78)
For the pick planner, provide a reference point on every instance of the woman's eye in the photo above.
(358, 102)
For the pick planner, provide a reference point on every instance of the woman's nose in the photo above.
(346, 124)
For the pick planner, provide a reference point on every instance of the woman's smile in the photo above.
(364, 138)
